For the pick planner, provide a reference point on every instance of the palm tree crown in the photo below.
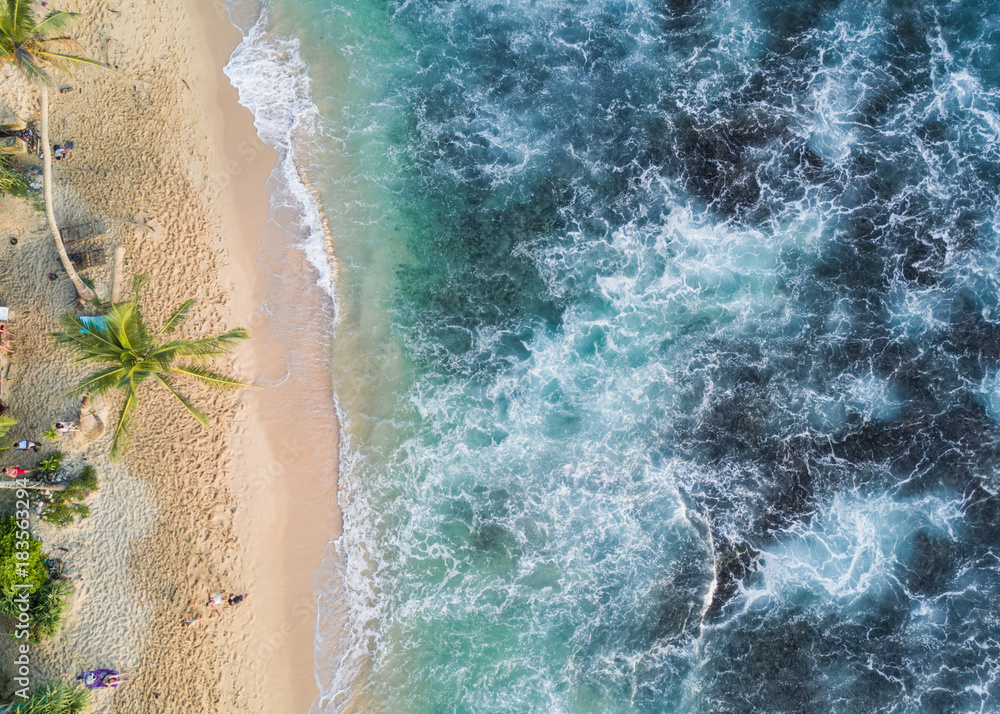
(25, 42)
(121, 339)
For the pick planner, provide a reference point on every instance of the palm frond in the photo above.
(134, 377)
(177, 318)
(200, 349)
(139, 282)
(195, 412)
(16, 17)
(29, 66)
(52, 698)
(119, 441)
(100, 382)
(212, 346)
(120, 322)
(55, 21)
(73, 59)
(216, 381)
(79, 335)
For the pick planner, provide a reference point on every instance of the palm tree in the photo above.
(25, 43)
(52, 698)
(121, 339)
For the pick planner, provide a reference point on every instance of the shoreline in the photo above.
(294, 495)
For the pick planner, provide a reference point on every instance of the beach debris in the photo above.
(83, 231)
(13, 138)
(88, 259)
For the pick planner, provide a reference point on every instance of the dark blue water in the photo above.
(669, 352)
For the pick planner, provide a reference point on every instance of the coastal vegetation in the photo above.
(51, 463)
(6, 422)
(66, 506)
(11, 182)
(28, 44)
(133, 355)
(51, 698)
(47, 596)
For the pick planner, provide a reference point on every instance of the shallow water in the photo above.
(667, 348)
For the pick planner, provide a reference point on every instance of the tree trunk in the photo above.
(36, 485)
(86, 294)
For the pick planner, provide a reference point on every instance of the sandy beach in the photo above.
(166, 156)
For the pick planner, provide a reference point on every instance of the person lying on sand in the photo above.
(192, 622)
(235, 599)
(215, 600)
(16, 471)
(25, 445)
(98, 678)
(64, 427)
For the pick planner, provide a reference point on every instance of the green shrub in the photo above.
(60, 514)
(46, 597)
(52, 464)
(51, 434)
(47, 608)
(6, 422)
(65, 506)
(52, 698)
(87, 480)
(32, 570)
(11, 181)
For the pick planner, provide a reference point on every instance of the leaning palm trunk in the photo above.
(86, 294)
(35, 485)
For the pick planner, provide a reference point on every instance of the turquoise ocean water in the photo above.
(666, 343)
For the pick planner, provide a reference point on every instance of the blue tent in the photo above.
(95, 322)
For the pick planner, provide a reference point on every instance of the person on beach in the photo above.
(236, 599)
(5, 333)
(26, 445)
(192, 622)
(60, 151)
(215, 600)
(97, 678)
(16, 471)
(64, 427)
